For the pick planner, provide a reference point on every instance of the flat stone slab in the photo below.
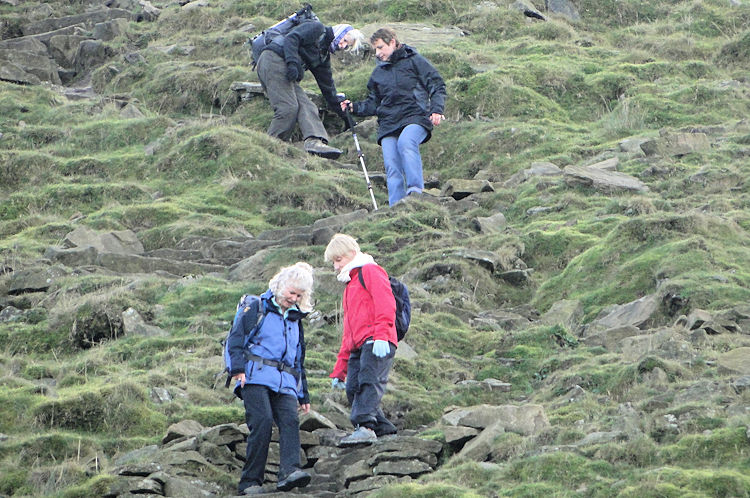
(602, 180)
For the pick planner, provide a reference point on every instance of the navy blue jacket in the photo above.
(404, 90)
(307, 45)
(280, 338)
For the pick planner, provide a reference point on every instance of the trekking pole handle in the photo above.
(347, 112)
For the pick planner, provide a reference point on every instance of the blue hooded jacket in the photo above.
(280, 338)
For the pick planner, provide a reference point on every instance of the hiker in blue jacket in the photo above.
(281, 66)
(270, 376)
(408, 96)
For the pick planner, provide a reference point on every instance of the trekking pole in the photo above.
(361, 156)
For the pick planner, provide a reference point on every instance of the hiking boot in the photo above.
(297, 479)
(252, 490)
(317, 147)
(362, 435)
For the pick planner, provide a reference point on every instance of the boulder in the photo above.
(63, 49)
(459, 188)
(567, 313)
(91, 54)
(26, 67)
(539, 169)
(735, 362)
(564, 8)
(602, 180)
(635, 313)
(118, 242)
(134, 324)
(480, 448)
(490, 224)
(524, 419)
(35, 279)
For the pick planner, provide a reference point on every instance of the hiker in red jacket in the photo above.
(369, 340)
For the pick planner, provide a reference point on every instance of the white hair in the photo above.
(299, 276)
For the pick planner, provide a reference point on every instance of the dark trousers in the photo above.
(366, 380)
(291, 105)
(263, 407)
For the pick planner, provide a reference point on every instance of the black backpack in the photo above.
(403, 304)
(276, 33)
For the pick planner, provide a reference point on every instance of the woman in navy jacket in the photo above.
(408, 96)
(270, 375)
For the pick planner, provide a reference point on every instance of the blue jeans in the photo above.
(263, 407)
(403, 162)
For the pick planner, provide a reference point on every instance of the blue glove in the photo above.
(337, 384)
(381, 348)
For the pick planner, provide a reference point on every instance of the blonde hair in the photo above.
(340, 245)
(357, 38)
(299, 276)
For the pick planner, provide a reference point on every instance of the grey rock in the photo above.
(524, 419)
(184, 428)
(602, 180)
(567, 313)
(460, 188)
(160, 396)
(119, 242)
(735, 362)
(491, 224)
(132, 263)
(91, 54)
(134, 324)
(75, 257)
(564, 8)
(35, 279)
(635, 313)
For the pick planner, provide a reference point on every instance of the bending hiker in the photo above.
(369, 341)
(408, 96)
(271, 376)
(281, 67)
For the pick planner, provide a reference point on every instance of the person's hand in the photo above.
(346, 105)
(436, 118)
(293, 71)
(337, 383)
(305, 408)
(381, 348)
(241, 378)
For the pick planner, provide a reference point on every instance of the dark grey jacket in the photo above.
(404, 90)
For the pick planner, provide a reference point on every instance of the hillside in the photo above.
(580, 272)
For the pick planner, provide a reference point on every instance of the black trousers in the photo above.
(263, 407)
(366, 380)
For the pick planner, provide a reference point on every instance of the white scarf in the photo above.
(360, 259)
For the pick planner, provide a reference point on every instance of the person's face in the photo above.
(341, 261)
(289, 297)
(345, 42)
(384, 50)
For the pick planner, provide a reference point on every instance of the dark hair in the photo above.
(385, 34)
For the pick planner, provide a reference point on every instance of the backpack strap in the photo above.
(361, 278)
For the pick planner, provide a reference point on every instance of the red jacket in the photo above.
(368, 313)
